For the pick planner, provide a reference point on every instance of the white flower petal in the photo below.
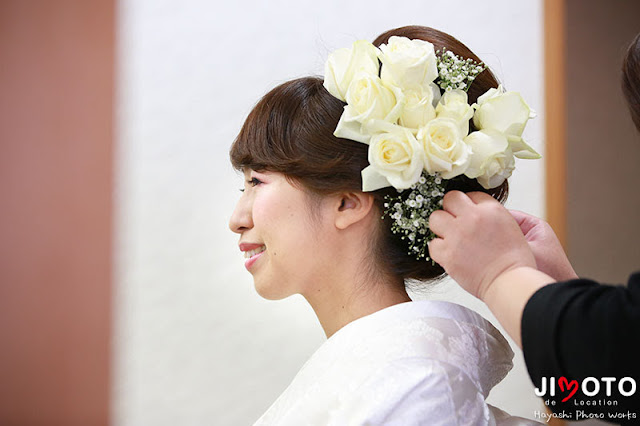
(408, 63)
(492, 160)
(344, 64)
(395, 154)
(485, 145)
(418, 108)
(372, 180)
(507, 113)
(454, 104)
(349, 128)
(521, 149)
(334, 70)
(444, 149)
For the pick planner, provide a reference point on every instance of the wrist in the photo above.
(499, 279)
(508, 294)
(513, 278)
(569, 274)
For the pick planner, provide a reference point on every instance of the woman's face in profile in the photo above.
(281, 240)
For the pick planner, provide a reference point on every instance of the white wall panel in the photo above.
(194, 343)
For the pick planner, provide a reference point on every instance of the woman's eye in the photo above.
(253, 182)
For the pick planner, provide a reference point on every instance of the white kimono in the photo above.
(416, 363)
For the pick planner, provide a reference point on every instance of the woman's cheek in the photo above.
(260, 210)
(267, 212)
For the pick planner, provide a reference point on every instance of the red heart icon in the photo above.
(563, 382)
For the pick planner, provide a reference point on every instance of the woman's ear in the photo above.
(351, 208)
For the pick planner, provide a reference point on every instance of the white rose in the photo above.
(444, 149)
(368, 99)
(418, 107)
(492, 160)
(454, 104)
(344, 64)
(395, 158)
(408, 63)
(506, 112)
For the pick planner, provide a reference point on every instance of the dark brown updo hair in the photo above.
(631, 80)
(290, 130)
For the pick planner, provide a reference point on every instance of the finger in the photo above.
(456, 202)
(518, 215)
(481, 197)
(525, 221)
(440, 222)
(436, 248)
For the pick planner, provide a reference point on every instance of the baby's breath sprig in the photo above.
(454, 72)
(410, 211)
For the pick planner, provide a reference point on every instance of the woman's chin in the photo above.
(269, 291)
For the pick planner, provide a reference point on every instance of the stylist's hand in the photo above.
(547, 250)
(478, 240)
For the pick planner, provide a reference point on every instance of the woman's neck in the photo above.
(338, 303)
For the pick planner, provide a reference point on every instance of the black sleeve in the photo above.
(580, 329)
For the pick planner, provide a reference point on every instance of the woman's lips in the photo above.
(249, 262)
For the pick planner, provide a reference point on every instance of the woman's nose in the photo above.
(241, 219)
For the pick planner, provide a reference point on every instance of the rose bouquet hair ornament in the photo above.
(410, 105)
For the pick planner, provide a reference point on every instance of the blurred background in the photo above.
(123, 296)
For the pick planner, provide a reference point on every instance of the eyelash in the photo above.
(253, 182)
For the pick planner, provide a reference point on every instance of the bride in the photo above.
(341, 175)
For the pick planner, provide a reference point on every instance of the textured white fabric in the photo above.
(416, 363)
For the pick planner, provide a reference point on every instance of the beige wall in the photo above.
(56, 90)
(603, 182)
